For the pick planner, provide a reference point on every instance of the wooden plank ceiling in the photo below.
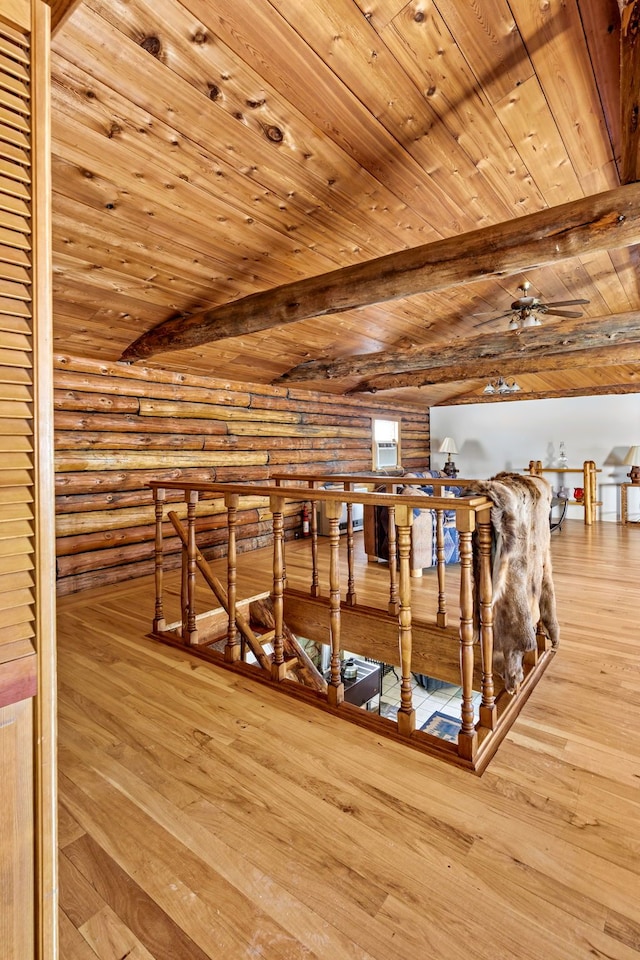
(204, 152)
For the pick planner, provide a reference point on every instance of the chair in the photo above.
(424, 550)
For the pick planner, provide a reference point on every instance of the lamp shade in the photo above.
(448, 446)
(633, 456)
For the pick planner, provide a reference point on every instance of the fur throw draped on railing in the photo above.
(523, 592)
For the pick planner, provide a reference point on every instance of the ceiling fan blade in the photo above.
(565, 313)
(566, 303)
(500, 316)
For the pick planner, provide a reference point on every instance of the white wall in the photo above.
(506, 435)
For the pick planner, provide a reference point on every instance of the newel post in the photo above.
(406, 718)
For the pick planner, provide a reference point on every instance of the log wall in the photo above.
(118, 427)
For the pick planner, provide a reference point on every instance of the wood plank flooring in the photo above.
(203, 816)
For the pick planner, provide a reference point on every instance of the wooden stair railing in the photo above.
(265, 620)
(262, 610)
(232, 649)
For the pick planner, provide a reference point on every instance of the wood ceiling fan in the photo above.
(526, 310)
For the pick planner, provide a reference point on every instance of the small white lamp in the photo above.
(448, 446)
(632, 459)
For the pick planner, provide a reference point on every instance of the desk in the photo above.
(366, 686)
(624, 516)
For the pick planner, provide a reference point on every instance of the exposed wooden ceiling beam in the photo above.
(630, 90)
(610, 355)
(617, 389)
(580, 333)
(603, 222)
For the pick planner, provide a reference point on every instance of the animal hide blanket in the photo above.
(523, 593)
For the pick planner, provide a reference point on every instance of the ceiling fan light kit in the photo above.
(525, 310)
(501, 386)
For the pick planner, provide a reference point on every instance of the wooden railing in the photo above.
(409, 633)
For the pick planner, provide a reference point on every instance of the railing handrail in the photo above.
(470, 503)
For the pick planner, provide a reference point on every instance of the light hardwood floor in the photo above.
(202, 816)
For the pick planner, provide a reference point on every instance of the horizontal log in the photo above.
(211, 411)
(566, 336)
(326, 420)
(259, 429)
(121, 423)
(324, 467)
(209, 530)
(71, 564)
(281, 457)
(147, 459)
(590, 224)
(154, 384)
(84, 503)
(611, 355)
(97, 520)
(71, 400)
(349, 446)
(109, 481)
(231, 473)
(145, 568)
(175, 380)
(98, 578)
(334, 413)
(89, 440)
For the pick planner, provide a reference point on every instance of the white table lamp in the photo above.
(448, 446)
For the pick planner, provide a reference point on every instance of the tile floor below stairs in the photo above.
(446, 700)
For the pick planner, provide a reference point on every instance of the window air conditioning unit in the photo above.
(386, 454)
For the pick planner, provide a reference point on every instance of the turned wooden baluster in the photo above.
(467, 737)
(335, 689)
(394, 597)
(233, 649)
(351, 585)
(441, 616)
(315, 580)
(278, 665)
(192, 632)
(184, 594)
(488, 709)
(406, 714)
(159, 622)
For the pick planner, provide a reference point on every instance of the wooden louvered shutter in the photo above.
(27, 724)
